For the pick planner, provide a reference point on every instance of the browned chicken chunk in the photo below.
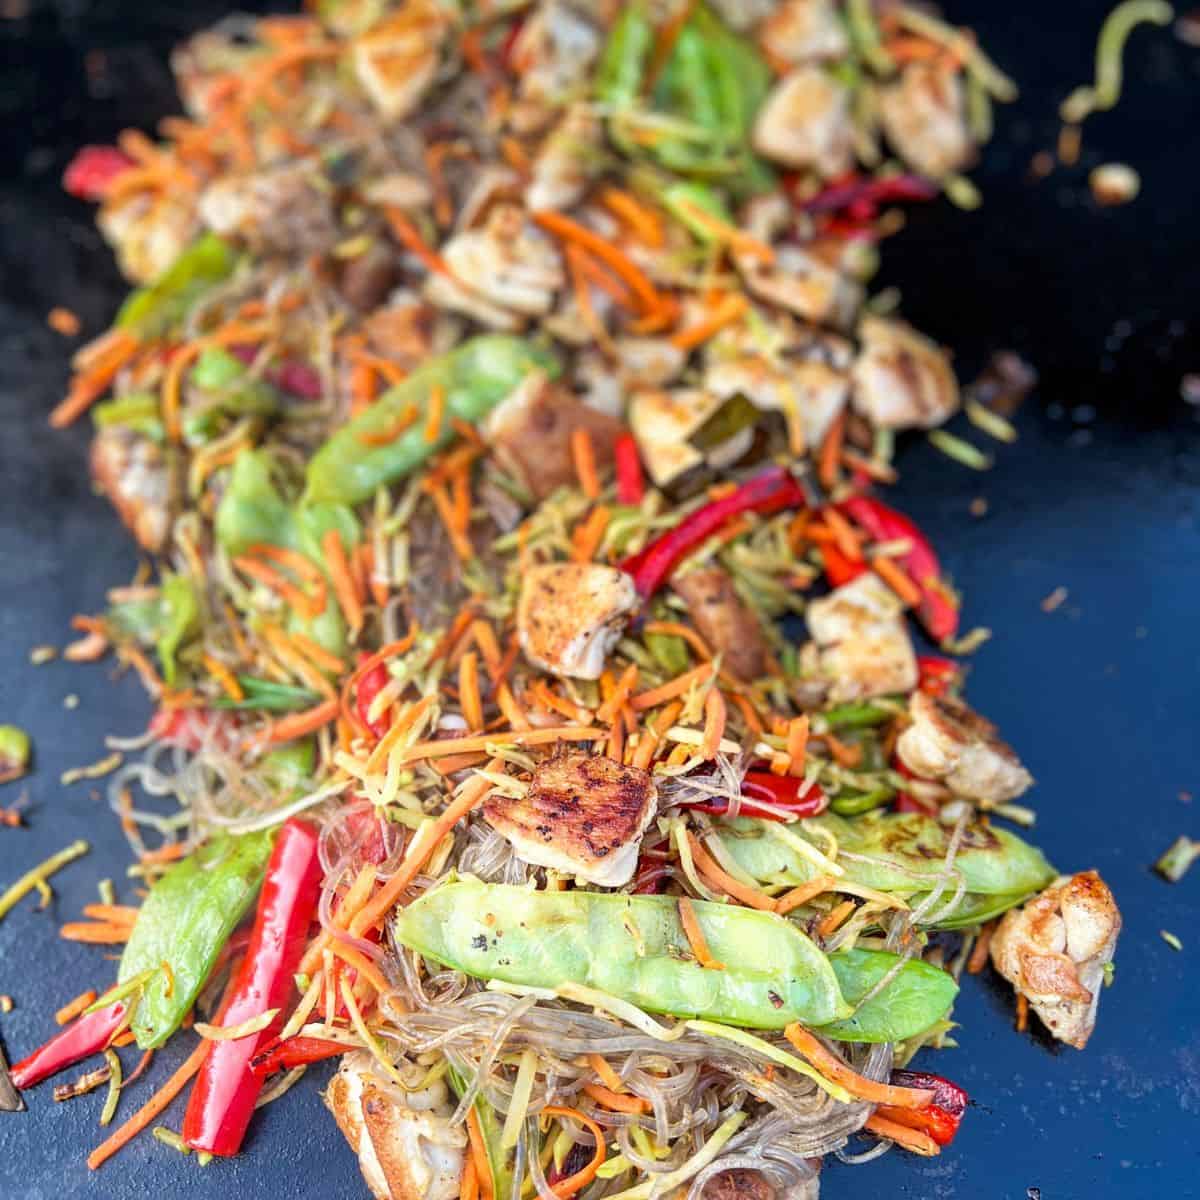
(924, 117)
(132, 471)
(724, 620)
(1054, 951)
(948, 740)
(902, 380)
(583, 815)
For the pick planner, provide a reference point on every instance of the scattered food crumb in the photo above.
(1114, 183)
(92, 770)
(1189, 389)
(1004, 382)
(1033, 1193)
(6, 1003)
(71, 701)
(979, 507)
(64, 321)
(1187, 27)
(1041, 165)
(1054, 600)
(1174, 864)
(43, 654)
(1140, 632)
(15, 749)
(1070, 139)
(1185, 797)
(1170, 939)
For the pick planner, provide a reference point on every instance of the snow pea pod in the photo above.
(626, 53)
(152, 311)
(895, 852)
(473, 379)
(180, 618)
(919, 995)
(632, 947)
(185, 920)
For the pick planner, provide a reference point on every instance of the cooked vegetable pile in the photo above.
(539, 724)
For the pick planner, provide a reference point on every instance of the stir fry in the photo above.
(541, 728)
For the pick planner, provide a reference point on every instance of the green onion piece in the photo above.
(115, 1079)
(992, 423)
(1175, 863)
(169, 1137)
(959, 450)
(1170, 939)
(36, 877)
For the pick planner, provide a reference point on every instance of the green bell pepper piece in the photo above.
(152, 311)
(184, 921)
(138, 411)
(919, 995)
(625, 57)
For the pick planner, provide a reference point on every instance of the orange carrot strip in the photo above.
(881, 472)
(752, 719)
(652, 736)
(410, 238)
(520, 737)
(614, 1101)
(399, 727)
(458, 537)
(622, 690)
(605, 1073)
(797, 744)
(674, 687)
(277, 582)
(343, 582)
(835, 918)
(70, 1011)
(695, 936)
(915, 1140)
(468, 691)
(731, 308)
(583, 300)
(63, 320)
(363, 965)
(804, 893)
(566, 1188)
(317, 654)
(583, 455)
(749, 896)
(92, 382)
(299, 724)
(483, 1172)
(831, 449)
(401, 423)
(843, 753)
(642, 221)
(468, 1188)
(1022, 1013)
(513, 712)
(676, 629)
(714, 724)
(979, 952)
(588, 535)
(898, 579)
(832, 1067)
(224, 676)
(844, 535)
(95, 933)
(485, 638)
(435, 417)
(116, 914)
(168, 852)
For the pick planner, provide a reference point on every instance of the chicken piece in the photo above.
(806, 122)
(552, 58)
(740, 15)
(649, 361)
(132, 471)
(804, 31)
(530, 434)
(504, 272)
(148, 232)
(566, 161)
(947, 740)
(802, 282)
(741, 1183)
(397, 62)
(924, 116)
(902, 380)
(366, 279)
(583, 815)
(407, 1149)
(664, 421)
(727, 624)
(204, 63)
(1054, 951)
(570, 615)
(862, 643)
(284, 210)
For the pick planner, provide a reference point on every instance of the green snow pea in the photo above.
(180, 618)
(286, 768)
(919, 995)
(265, 695)
(632, 947)
(152, 311)
(625, 57)
(474, 378)
(227, 391)
(185, 920)
(903, 851)
(138, 411)
(491, 1128)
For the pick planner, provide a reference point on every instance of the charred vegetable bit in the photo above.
(86, 1035)
(1176, 862)
(15, 751)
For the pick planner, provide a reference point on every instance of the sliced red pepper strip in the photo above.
(88, 1035)
(785, 792)
(296, 378)
(838, 568)
(937, 611)
(91, 172)
(294, 1052)
(906, 802)
(631, 483)
(225, 1092)
(936, 675)
(942, 1117)
(854, 192)
(190, 727)
(773, 491)
(369, 686)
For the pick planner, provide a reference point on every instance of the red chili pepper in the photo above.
(294, 1052)
(942, 1117)
(369, 686)
(296, 378)
(906, 802)
(938, 611)
(838, 568)
(84, 1037)
(190, 727)
(853, 192)
(631, 483)
(772, 491)
(778, 791)
(936, 674)
(91, 172)
(225, 1092)
(510, 42)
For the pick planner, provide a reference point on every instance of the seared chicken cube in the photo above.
(132, 471)
(924, 116)
(530, 434)
(566, 162)
(804, 31)
(862, 646)
(583, 815)
(901, 379)
(806, 122)
(552, 57)
(397, 62)
(570, 615)
(947, 740)
(407, 1149)
(727, 624)
(1055, 949)
(663, 422)
(503, 273)
(649, 361)
(804, 283)
(278, 211)
(148, 232)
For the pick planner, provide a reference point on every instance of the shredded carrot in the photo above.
(183, 357)
(363, 965)
(628, 271)
(483, 1172)
(576, 264)
(844, 535)
(588, 536)
(979, 952)
(388, 896)
(832, 1067)
(915, 1140)
(1022, 1013)
(715, 715)
(124, 1039)
(521, 737)
(679, 630)
(583, 455)
(695, 936)
(295, 662)
(615, 748)
(597, 274)
(843, 753)
(803, 894)
(168, 852)
(484, 637)
(344, 587)
(435, 158)
(403, 421)
(737, 240)
(317, 654)
(605, 1073)
(95, 933)
(458, 535)
(117, 914)
(468, 691)
(664, 43)
(513, 712)
(641, 220)
(155, 1105)
(93, 380)
(566, 1188)
(614, 1101)
(225, 677)
(515, 155)
(749, 896)
(652, 735)
(435, 417)
(70, 1011)
(64, 321)
(730, 309)
(468, 1188)
(399, 728)
(835, 918)
(898, 579)
(797, 744)
(299, 724)
(622, 690)
(349, 906)
(881, 472)
(830, 453)
(752, 719)
(410, 238)
(697, 676)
